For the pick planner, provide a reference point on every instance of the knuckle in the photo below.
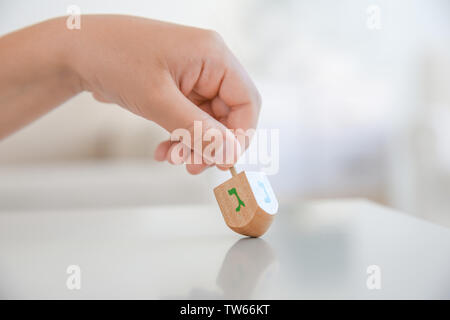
(212, 41)
(213, 36)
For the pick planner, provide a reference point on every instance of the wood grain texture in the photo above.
(244, 216)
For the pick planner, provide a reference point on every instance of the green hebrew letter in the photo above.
(240, 202)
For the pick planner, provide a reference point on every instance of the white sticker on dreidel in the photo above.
(262, 190)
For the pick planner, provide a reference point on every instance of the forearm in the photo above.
(34, 74)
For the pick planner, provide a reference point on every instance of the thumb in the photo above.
(200, 135)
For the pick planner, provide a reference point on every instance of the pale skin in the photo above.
(170, 74)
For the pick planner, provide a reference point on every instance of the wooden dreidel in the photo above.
(247, 202)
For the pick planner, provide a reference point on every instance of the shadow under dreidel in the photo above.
(244, 266)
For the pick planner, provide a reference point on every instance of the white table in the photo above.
(314, 250)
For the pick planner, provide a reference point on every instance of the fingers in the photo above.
(196, 168)
(177, 153)
(241, 96)
(163, 153)
(194, 128)
(232, 102)
(220, 109)
(162, 150)
(238, 103)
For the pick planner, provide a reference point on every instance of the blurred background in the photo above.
(359, 91)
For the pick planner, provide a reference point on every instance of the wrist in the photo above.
(62, 43)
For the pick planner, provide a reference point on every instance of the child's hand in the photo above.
(167, 73)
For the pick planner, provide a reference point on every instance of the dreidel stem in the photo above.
(233, 171)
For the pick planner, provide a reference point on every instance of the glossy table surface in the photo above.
(318, 249)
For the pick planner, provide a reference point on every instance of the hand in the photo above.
(170, 74)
